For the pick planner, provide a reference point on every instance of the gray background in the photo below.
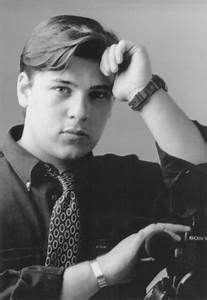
(174, 32)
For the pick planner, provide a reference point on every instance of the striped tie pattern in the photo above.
(64, 228)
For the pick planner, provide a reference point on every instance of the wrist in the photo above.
(143, 96)
(106, 268)
(78, 282)
(139, 88)
(98, 273)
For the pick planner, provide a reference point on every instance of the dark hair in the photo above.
(55, 40)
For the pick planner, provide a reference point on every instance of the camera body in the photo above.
(186, 263)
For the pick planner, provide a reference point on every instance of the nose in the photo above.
(79, 108)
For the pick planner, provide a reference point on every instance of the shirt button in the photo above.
(28, 185)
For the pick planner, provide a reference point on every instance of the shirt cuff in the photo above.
(38, 282)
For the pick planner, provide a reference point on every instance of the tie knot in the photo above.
(66, 179)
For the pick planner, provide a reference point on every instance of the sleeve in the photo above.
(34, 282)
(173, 168)
(186, 181)
(146, 182)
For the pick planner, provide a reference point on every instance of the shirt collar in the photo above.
(20, 159)
(23, 162)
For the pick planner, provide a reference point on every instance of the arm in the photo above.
(31, 283)
(175, 133)
(173, 130)
(173, 167)
(79, 280)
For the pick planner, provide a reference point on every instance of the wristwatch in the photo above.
(142, 97)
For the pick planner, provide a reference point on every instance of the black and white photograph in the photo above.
(103, 150)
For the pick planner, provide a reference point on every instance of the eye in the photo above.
(63, 90)
(100, 95)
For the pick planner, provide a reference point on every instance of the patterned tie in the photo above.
(64, 228)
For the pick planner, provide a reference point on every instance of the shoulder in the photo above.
(4, 166)
(128, 164)
(112, 160)
(2, 160)
(202, 129)
(5, 174)
(1, 154)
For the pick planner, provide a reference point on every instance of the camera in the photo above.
(186, 261)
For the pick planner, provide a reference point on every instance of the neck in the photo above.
(61, 165)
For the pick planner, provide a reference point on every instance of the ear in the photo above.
(23, 89)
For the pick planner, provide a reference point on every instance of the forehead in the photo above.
(80, 72)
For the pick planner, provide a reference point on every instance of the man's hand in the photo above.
(119, 262)
(79, 281)
(131, 66)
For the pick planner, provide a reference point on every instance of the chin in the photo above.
(74, 153)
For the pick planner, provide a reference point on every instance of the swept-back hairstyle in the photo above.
(54, 41)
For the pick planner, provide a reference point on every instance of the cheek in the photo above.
(44, 109)
(105, 114)
(99, 120)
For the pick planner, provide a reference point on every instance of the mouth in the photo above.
(76, 133)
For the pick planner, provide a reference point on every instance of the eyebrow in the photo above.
(101, 87)
(93, 87)
(65, 82)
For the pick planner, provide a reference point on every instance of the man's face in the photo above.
(66, 111)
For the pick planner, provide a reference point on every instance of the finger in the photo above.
(104, 64)
(174, 227)
(126, 49)
(119, 51)
(175, 236)
(171, 229)
(165, 227)
(112, 59)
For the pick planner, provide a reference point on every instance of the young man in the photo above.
(60, 206)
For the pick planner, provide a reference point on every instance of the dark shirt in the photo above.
(186, 181)
(188, 185)
(117, 196)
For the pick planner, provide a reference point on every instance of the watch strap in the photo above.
(142, 97)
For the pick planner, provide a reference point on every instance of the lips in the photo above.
(76, 132)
